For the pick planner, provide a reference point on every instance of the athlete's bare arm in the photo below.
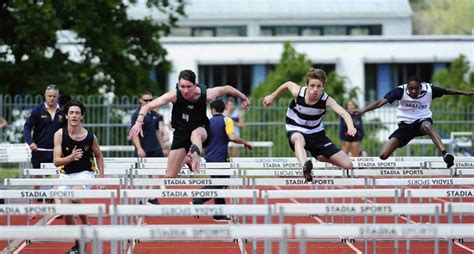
(162, 100)
(99, 157)
(287, 86)
(218, 91)
(372, 106)
(344, 114)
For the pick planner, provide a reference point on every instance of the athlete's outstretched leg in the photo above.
(298, 141)
(428, 129)
(198, 136)
(387, 150)
(175, 162)
(341, 160)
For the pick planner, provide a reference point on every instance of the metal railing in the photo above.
(109, 119)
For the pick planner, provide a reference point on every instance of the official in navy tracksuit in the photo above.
(222, 131)
(414, 115)
(44, 120)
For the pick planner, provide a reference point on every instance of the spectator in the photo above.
(351, 145)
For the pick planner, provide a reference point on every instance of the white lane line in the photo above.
(357, 251)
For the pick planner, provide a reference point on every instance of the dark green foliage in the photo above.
(114, 50)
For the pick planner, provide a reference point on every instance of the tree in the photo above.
(112, 49)
(457, 77)
(443, 16)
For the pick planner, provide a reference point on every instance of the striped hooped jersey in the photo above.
(305, 118)
(412, 109)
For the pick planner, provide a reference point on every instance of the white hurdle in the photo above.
(188, 181)
(52, 209)
(202, 172)
(286, 173)
(189, 210)
(423, 181)
(316, 181)
(402, 172)
(386, 209)
(186, 193)
(385, 231)
(166, 232)
(445, 193)
(344, 193)
(59, 182)
(464, 208)
(34, 194)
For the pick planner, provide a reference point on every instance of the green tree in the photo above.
(113, 49)
(443, 16)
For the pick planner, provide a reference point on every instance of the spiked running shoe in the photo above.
(449, 159)
(307, 167)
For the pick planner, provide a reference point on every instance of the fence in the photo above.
(109, 119)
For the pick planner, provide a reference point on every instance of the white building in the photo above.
(369, 42)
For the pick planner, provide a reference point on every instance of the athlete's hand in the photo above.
(33, 147)
(245, 105)
(76, 154)
(136, 129)
(470, 93)
(248, 146)
(267, 101)
(351, 131)
(141, 153)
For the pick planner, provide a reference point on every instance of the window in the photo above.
(219, 31)
(181, 32)
(231, 31)
(320, 30)
(382, 77)
(239, 76)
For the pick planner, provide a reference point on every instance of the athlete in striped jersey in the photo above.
(414, 115)
(304, 126)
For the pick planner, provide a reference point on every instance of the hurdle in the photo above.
(457, 164)
(188, 181)
(445, 193)
(384, 232)
(289, 172)
(98, 234)
(35, 194)
(52, 209)
(423, 181)
(402, 172)
(315, 182)
(202, 172)
(58, 182)
(465, 172)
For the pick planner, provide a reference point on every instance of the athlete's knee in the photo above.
(383, 155)
(347, 165)
(297, 138)
(426, 127)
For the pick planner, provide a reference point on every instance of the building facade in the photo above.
(369, 42)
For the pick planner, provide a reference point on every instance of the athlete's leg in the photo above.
(68, 219)
(356, 149)
(341, 160)
(387, 150)
(346, 146)
(175, 162)
(428, 129)
(297, 139)
(198, 136)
